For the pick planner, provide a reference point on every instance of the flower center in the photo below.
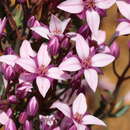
(57, 31)
(89, 4)
(86, 62)
(78, 117)
(42, 70)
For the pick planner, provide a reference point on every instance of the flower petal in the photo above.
(104, 4)
(28, 64)
(91, 77)
(82, 46)
(8, 59)
(72, 6)
(56, 73)
(79, 126)
(124, 8)
(123, 28)
(79, 105)
(55, 24)
(3, 117)
(91, 17)
(64, 108)
(64, 24)
(70, 64)
(43, 56)
(101, 60)
(26, 50)
(92, 120)
(42, 31)
(43, 85)
(100, 37)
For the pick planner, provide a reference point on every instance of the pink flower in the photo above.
(78, 112)
(40, 67)
(124, 27)
(56, 27)
(89, 6)
(86, 61)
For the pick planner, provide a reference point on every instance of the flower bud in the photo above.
(23, 117)
(129, 44)
(115, 50)
(10, 125)
(31, 21)
(12, 99)
(32, 107)
(9, 112)
(23, 89)
(2, 25)
(27, 125)
(54, 46)
(65, 43)
(8, 71)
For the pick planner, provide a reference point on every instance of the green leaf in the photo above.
(122, 111)
(18, 15)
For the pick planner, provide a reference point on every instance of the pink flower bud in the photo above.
(9, 112)
(65, 43)
(10, 125)
(2, 25)
(129, 44)
(23, 89)
(115, 50)
(8, 72)
(31, 21)
(54, 46)
(23, 117)
(32, 107)
(12, 99)
(27, 125)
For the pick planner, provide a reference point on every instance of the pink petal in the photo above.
(104, 4)
(79, 126)
(72, 6)
(91, 120)
(82, 46)
(123, 28)
(79, 105)
(8, 59)
(43, 85)
(26, 50)
(42, 31)
(28, 64)
(101, 60)
(43, 56)
(124, 8)
(55, 24)
(64, 24)
(91, 77)
(56, 73)
(3, 117)
(93, 20)
(70, 64)
(100, 37)
(64, 108)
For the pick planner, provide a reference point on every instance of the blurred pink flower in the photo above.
(124, 27)
(89, 6)
(78, 112)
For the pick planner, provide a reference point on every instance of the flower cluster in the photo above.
(47, 75)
